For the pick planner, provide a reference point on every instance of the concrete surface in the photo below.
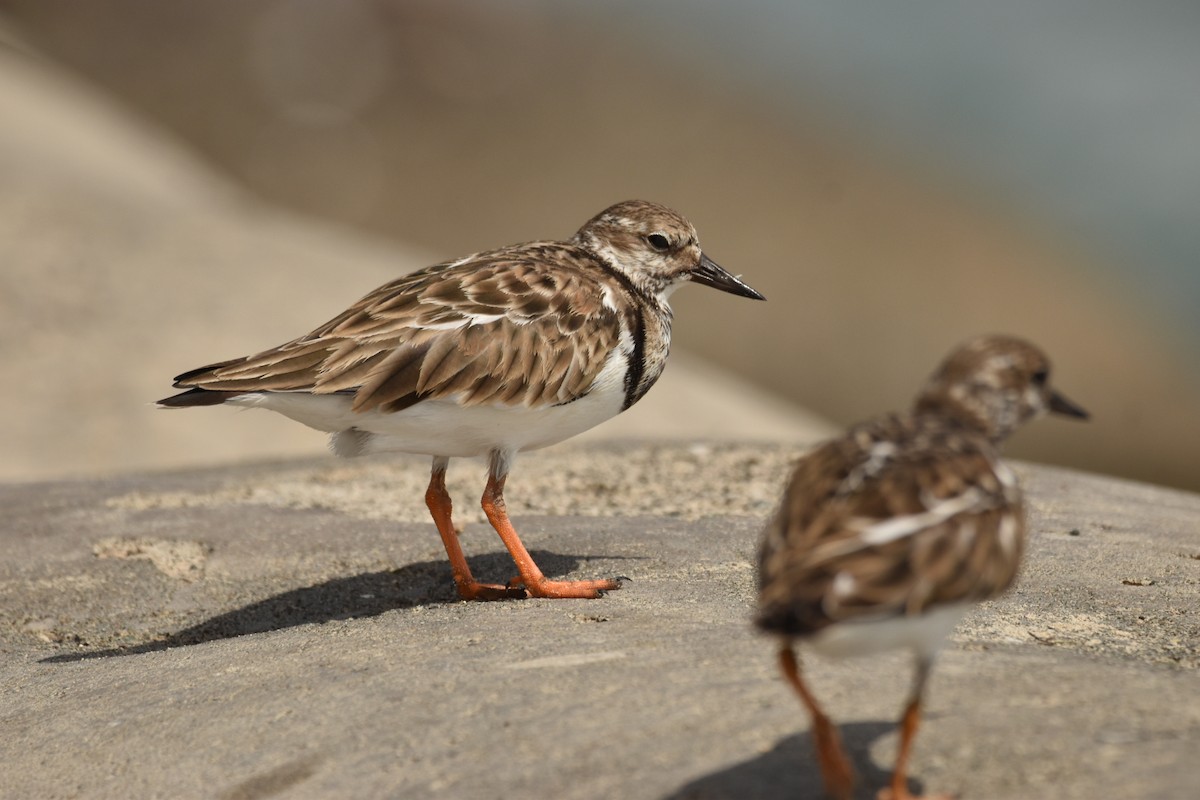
(289, 630)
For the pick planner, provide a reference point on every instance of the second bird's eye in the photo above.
(1041, 376)
(659, 242)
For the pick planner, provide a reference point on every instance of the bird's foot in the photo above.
(490, 591)
(588, 590)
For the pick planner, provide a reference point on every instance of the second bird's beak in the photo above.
(710, 273)
(1061, 405)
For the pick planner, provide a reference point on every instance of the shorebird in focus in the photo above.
(489, 355)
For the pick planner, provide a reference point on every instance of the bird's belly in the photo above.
(924, 634)
(443, 427)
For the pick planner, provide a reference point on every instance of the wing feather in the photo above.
(498, 327)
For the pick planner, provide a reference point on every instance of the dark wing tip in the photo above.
(185, 379)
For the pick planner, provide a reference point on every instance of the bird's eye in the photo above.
(659, 242)
(1041, 376)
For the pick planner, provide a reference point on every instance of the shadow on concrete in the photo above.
(366, 595)
(790, 770)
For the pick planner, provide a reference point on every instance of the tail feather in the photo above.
(196, 397)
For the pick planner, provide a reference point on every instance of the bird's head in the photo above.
(994, 384)
(656, 248)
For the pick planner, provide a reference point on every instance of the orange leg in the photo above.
(909, 723)
(835, 767)
(438, 500)
(531, 577)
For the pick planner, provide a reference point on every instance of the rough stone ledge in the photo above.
(289, 630)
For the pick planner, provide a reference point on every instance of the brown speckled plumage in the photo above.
(542, 335)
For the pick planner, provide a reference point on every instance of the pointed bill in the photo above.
(1061, 405)
(710, 273)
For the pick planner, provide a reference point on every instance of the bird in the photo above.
(886, 536)
(487, 355)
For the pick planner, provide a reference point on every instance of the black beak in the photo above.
(1061, 405)
(710, 273)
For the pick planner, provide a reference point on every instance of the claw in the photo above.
(590, 589)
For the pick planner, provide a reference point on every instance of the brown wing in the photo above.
(890, 520)
(511, 326)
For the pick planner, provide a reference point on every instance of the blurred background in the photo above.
(186, 182)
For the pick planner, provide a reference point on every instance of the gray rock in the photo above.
(290, 629)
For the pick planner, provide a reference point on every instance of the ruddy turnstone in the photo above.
(488, 355)
(886, 536)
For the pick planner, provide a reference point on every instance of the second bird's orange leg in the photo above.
(908, 732)
(835, 767)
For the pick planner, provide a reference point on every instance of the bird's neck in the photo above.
(636, 282)
(968, 410)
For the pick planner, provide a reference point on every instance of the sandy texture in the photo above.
(175, 559)
(606, 481)
(320, 651)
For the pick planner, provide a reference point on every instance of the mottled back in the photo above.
(520, 328)
(901, 514)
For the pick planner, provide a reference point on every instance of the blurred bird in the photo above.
(886, 536)
(491, 354)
